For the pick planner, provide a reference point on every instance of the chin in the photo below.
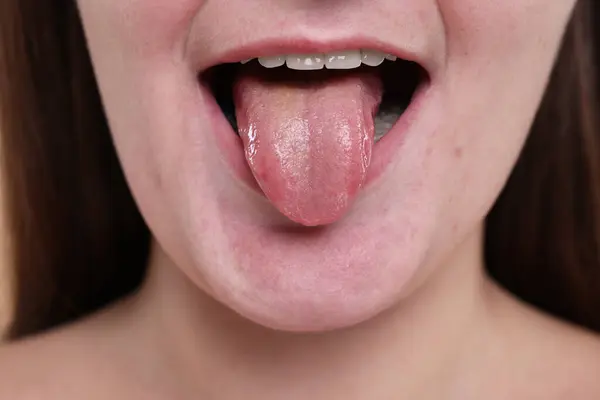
(304, 279)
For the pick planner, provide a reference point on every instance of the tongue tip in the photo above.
(320, 211)
(322, 219)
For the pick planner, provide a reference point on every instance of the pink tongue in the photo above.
(309, 144)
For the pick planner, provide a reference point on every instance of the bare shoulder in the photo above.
(49, 366)
(551, 358)
(85, 360)
(576, 361)
(23, 370)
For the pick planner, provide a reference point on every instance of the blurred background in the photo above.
(4, 273)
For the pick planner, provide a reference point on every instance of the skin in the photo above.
(238, 313)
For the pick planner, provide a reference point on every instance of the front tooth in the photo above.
(305, 61)
(372, 58)
(272, 62)
(348, 59)
(246, 61)
(391, 57)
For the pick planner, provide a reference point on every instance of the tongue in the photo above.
(308, 143)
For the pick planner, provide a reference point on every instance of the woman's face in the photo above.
(239, 215)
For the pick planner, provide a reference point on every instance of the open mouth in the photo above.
(309, 123)
(400, 79)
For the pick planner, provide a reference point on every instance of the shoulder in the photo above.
(571, 359)
(20, 375)
(48, 366)
(548, 358)
(87, 360)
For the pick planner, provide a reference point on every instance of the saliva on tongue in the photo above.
(308, 137)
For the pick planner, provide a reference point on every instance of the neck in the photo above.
(428, 338)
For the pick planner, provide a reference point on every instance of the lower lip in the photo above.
(232, 148)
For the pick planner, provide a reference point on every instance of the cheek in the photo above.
(149, 92)
(500, 55)
(139, 28)
(503, 24)
(496, 45)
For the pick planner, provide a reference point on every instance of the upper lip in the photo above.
(299, 45)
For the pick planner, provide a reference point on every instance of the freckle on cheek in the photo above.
(458, 152)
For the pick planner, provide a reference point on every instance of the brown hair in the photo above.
(79, 242)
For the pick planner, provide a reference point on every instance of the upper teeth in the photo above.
(347, 59)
